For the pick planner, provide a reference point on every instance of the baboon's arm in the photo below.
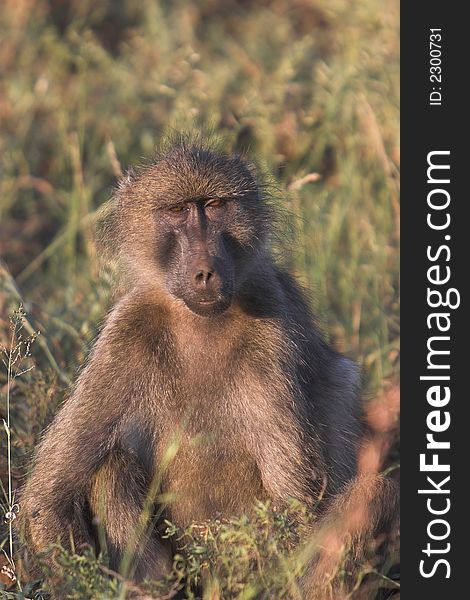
(53, 504)
(329, 398)
(121, 503)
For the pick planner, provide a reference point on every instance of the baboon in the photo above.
(211, 341)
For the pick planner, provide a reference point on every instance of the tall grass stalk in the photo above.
(15, 360)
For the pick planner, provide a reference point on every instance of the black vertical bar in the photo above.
(433, 119)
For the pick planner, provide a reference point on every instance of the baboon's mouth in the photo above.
(206, 307)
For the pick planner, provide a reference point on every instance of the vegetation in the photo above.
(309, 88)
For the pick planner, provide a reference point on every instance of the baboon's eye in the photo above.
(177, 208)
(215, 203)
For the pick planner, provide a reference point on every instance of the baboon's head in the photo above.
(193, 223)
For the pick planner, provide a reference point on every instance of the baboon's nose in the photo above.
(203, 276)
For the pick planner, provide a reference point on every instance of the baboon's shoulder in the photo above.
(135, 331)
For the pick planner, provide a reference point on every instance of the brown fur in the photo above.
(247, 395)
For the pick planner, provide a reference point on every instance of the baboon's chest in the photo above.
(213, 471)
(213, 423)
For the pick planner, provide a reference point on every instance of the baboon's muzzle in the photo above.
(209, 285)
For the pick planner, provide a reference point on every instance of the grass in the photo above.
(310, 88)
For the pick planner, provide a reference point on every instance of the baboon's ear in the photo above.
(107, 229)
(108, 224)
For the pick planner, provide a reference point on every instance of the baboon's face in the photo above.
(193, 224)
(196, 253)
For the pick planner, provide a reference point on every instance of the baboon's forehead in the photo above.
(195, 173)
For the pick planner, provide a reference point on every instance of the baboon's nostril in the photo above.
(203, 276)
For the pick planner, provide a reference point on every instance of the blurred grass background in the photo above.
(87, 87)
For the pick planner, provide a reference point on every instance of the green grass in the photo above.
(88, 88)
